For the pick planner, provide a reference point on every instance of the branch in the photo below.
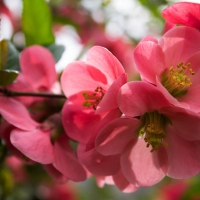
(12, 93)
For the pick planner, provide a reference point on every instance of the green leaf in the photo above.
(9, 56)
(153, 6)
(13, 57)
(56, 50)
(7, 76)
(3, 53)
(36, 22)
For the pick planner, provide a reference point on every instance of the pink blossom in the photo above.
(183, 13)
(40, 146)
(45, 143)
(153, 139)
(91, 88)
(38, 73)
(172, 64)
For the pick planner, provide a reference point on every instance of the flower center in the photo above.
(177, 80)
(153, 129)
(94, 98)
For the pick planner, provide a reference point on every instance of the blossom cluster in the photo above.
(128, 134)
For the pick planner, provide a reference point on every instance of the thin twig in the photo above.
(7, 92)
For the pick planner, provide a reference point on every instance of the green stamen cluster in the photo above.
(153, 129)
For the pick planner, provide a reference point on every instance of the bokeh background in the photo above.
(77, 25)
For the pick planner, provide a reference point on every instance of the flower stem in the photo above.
(7, 92)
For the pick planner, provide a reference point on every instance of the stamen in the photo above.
(176, 81)
(153, 130)
(94, 98)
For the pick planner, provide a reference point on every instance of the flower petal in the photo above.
(136, 98)
(66, 161)
(113, 138)
(113, 114)
(184, 121)
(109, 100)
(16, 114)
(183, 155)
(37, 63)
(98, 164)
(192, 98)
(35, 144)
(79, 76)
(149, 60)
(123, 184)
(183, 13)
(179, 44)
(105, 61)
(55, 174)
(140, 166)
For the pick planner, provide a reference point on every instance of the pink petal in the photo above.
(102, 180)
(194, 65)
(123, 184)
(78, 121)
(106, 62)
(16, 114)
(165, 92)
(66, 161)
(140, 166)
(183, 155)
(34, 144)
(149, 60)
(148, 39)
(113, 138)
(113, 114)
(183, 13)
(184, 121)
(192, 98)
(179, 44)
(79, 76)
(5, 131)
(109, 100)
(55, 174)
(168, 26)
(37, 63)
(20, 84)
(137, 97)
(98, 164)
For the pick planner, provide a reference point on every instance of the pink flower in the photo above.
(154, 139)
(172, 64)
(183, 13)
(44, 143)
(38, 73)
(91, 88)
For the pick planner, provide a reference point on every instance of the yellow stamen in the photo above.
(153, 130)
(177, 80)
(93, 99)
